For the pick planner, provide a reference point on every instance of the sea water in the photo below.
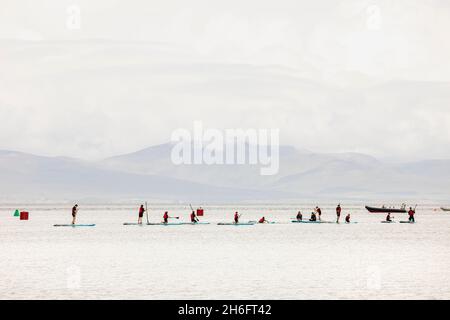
(366, 260)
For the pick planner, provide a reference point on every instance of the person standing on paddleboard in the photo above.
(411, 213)
(166, 217)
(319, 213)
(74, 213)
(299, 216)
(338, 212)
(141, 214)
(194, 218)
(236, 217)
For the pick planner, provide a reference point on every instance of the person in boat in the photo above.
(74, 213)
(313, 216)
(141, 214)
(166, 217)
(262, 220)
(338, 212)
(319, 213)
(194, 218)
(411, 213)
(347, 218)
(236, 217)
(388, 217)
(299, 216)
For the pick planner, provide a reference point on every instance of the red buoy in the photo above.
(24, 215)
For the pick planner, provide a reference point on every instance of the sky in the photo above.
(92, 79)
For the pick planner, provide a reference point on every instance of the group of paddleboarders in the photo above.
(316, 215)
(411, 213)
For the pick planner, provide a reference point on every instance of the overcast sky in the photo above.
(333, 76)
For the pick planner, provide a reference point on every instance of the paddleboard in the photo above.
(193, 224)
(267, 222)
(74, 225)
(132, 224)
(236, 224)
(387, 221)
(406, 222)
(165, 224)
(307, 221)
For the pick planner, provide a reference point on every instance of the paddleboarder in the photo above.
(347, 218)
(166, 217)
(411, 213)
(388, 217)
(194, 218)
(313, 217)
(74, 213)
(262, 220)
(236, 217)
(299, 216)
(338, 212)
(319, 213)
(141, 214)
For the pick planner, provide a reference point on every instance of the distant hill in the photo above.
(150, 174)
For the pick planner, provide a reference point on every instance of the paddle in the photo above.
(146, 212)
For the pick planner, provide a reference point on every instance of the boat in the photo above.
(74, 225)
(445, 209)
(236, 224)
(386, 210)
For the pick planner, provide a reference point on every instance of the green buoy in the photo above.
(17, 213)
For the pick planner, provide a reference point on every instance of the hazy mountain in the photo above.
(46, 177)
(150, 174)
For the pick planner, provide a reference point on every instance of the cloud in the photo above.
(369, 76)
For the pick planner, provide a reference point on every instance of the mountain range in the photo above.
(150, 174)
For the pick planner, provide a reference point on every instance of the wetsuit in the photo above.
(141, 212)
(193, 218)
(411, 215)
(299, 217)
(236, 218)
(313, 218)
(319, 212)
(347, 219)
(338, 211)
